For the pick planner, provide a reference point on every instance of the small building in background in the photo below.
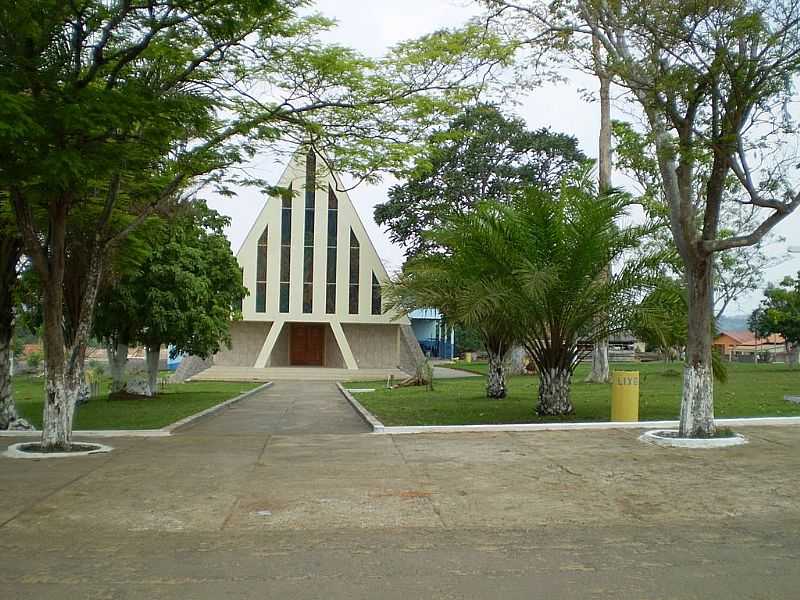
(436, 339)
(745, 346)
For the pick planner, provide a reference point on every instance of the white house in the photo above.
(315, 283)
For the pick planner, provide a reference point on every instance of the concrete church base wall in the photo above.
(247, 339)
(373, 346)
(333, 356)
(280, 352)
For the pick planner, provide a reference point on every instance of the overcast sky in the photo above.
(371, 26)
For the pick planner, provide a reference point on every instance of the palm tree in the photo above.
(461, 282)
(533, 271)
(555, 252)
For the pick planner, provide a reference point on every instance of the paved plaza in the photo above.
(287, 495)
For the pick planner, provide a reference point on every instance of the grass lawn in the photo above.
(175, 402)
(751, 391)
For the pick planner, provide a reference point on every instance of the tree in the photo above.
(461, 281)
(737, 271)
(704, 76)
(184, 295)
(534, 265)
(10, 255)
(555, 254)
(117, 109)
(779, 313)
(711, 79)
(482, 155)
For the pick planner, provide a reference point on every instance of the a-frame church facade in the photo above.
(315, 282)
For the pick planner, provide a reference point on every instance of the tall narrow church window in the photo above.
(354, 261)
(308, 243)
(261, 273)
(333, 228)
(376, 296)
(286, 249)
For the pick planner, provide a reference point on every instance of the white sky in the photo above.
(371, 26)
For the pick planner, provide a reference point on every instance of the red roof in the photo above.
(748, 338)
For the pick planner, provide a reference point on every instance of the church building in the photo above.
(315, 283)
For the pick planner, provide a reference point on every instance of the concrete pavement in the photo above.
(281, 496)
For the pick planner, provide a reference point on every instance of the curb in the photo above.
(165, 431)
(368, 417)
(656, 438)
(13, 451)
(380, 428)
(590, 426)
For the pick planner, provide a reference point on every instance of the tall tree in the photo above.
(779, 313)
(119, 107)
(482, 155)
(183, 295)
(737, 271)
(704, 76)
(599, 371)
(10, 255)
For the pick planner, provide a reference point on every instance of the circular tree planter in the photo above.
(33, 450)
(669, 438)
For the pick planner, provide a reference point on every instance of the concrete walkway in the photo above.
(263, 501)
(286, 408)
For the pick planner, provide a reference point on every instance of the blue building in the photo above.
(436, 339)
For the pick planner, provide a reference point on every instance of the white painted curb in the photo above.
(657, 438)
(165, 431)
(378, 427)
(369, 418)
(13, 451)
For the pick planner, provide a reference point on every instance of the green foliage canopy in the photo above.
(779, 312)
(184, 294)
(483, 155)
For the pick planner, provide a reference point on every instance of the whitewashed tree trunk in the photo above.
(151, 359)
(600, 367)
(9, 257)
(64, 367)
(59, 409)
(496, 377)
(8, 410)
(600, 363)
(554, 392)
(697, 407)
(117, 361)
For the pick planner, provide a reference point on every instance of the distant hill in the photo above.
(733, 323)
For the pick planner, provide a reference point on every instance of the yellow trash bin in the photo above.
(625, 396)
(468, 357)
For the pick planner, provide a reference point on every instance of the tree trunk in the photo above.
(117, 361)
(151, 358)
(600, 371)
(10, 250)
(697, 405)
(496, 378)
(554, 392)
(8, 410)
(64, 367)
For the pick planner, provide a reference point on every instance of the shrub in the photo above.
(34, 360)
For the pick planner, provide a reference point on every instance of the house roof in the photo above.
(748, 338)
